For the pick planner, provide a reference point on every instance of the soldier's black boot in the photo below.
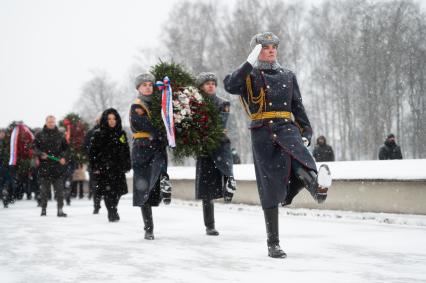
(43, 211)
(316, 184)
(208, 214)
(148, 222)
(272, 232)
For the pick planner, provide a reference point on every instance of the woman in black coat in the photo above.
(110, 159)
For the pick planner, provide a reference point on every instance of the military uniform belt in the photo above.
(271, 115)
(140, 135)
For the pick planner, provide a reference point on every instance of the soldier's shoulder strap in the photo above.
(244, 102)
(139, 102)
(252, 98)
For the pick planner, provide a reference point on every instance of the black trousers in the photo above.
(93, 184)
(111, 198)
(58, 186)
(76, 185)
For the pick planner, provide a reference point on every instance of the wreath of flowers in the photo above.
(197, 121)
(75, 132)
(22, 150)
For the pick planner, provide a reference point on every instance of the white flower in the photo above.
(177, 118)
(198, 97)
(182, 97)
(178, 106)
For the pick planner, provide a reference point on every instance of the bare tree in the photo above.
(368, 53)
(98, 94)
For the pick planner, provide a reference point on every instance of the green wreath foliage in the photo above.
(197, 135)
(78, 132)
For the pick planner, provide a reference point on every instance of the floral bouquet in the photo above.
(75, 132)
(197, 126)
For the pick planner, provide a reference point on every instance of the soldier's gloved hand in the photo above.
(305, 141)
(230, 188)
(165, 189)
(252, 58)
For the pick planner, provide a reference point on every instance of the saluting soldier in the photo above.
(214, 172)
(280, 132)
(149, 156)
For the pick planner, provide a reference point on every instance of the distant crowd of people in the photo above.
(48, 164)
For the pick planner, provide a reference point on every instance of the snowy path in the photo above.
(86, 248)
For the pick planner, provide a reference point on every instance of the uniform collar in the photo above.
(145, 98)
(265, 65)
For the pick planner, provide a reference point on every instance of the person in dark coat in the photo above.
(34, 181)
(33, 178)
(214, 172)
(390, 150)
(235, 157)
(92, 177)
(322, 151)
(53, 152)
(280, 132)
(68, 190)
(109, 157)
(5, 178)
(149, 156)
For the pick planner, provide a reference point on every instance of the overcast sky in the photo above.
(49, 47)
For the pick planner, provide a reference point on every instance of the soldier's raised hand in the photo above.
(252, 58)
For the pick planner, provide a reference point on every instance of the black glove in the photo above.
(306, 137)
(229, 189)
(306, 142)
(165, 189)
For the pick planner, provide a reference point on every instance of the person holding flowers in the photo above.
(149, 156)
(214, 171)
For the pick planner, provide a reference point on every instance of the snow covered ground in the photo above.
(322, 246)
